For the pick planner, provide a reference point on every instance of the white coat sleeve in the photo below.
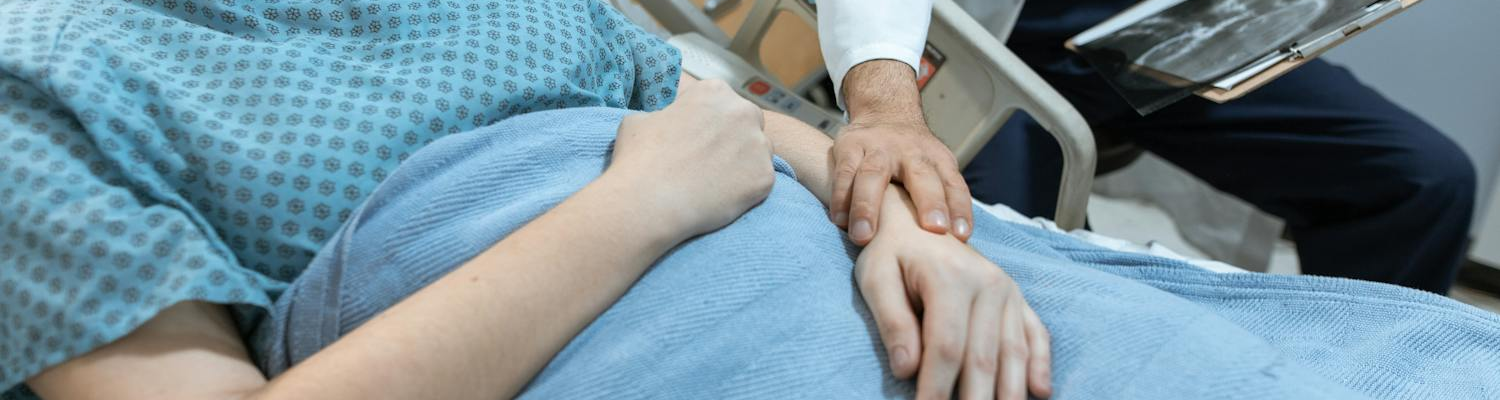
(855, 31)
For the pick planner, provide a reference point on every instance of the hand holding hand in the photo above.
(704, 155)
(868, 156)
(888, 141)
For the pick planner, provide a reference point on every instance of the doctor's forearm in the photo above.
(882, 91)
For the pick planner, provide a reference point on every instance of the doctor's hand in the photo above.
(886, 141)
(949, 316)
(704, 157)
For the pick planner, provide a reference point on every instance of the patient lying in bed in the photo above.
(171, 162)
(172, 168)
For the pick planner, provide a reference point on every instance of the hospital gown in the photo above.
(159, 151)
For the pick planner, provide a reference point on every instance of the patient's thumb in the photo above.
(882, 285)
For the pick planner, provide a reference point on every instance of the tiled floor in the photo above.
(1142, 222)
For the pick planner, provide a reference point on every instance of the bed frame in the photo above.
(962, 111)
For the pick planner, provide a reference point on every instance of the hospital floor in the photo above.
(1142, 222)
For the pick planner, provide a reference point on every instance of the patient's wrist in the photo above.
(651, 206)
(897, 212)
(898, 218)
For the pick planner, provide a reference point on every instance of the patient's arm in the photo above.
(480, 332)
(483, 330)
(806, 149)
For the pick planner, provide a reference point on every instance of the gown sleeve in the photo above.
(85, 255)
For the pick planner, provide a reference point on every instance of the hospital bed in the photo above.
(961, 112)
(964, 115)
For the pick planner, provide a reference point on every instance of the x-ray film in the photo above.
(1166, 56)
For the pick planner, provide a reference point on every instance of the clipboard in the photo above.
(1301, 54)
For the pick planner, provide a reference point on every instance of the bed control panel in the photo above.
(703, 59)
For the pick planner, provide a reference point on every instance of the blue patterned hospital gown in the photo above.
(156, 151)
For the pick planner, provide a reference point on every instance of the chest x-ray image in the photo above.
(1167, 55)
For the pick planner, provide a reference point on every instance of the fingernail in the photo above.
(840, 218)
(937, 218)
(899, 357)
(961, 226)
(861, 230)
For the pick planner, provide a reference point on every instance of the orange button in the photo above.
(925, 73)
(759, 87)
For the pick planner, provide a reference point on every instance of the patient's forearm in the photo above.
(547, 281)
(806, 149)
(481, 332)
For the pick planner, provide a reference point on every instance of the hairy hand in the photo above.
(867, 157)
(887, 141)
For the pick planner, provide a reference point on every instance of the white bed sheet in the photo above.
(1153, 248)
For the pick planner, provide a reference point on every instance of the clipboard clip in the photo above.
(1373, 13)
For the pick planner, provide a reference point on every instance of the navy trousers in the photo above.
(1368, 190)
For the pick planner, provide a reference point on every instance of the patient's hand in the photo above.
(950, 316)
(705, 156)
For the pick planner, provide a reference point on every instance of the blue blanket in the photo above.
(767, 307)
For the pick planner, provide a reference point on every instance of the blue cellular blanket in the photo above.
(767, 307)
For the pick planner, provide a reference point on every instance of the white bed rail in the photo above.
(961, 111)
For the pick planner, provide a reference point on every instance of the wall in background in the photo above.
(1441, 59)
(1486, 247)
